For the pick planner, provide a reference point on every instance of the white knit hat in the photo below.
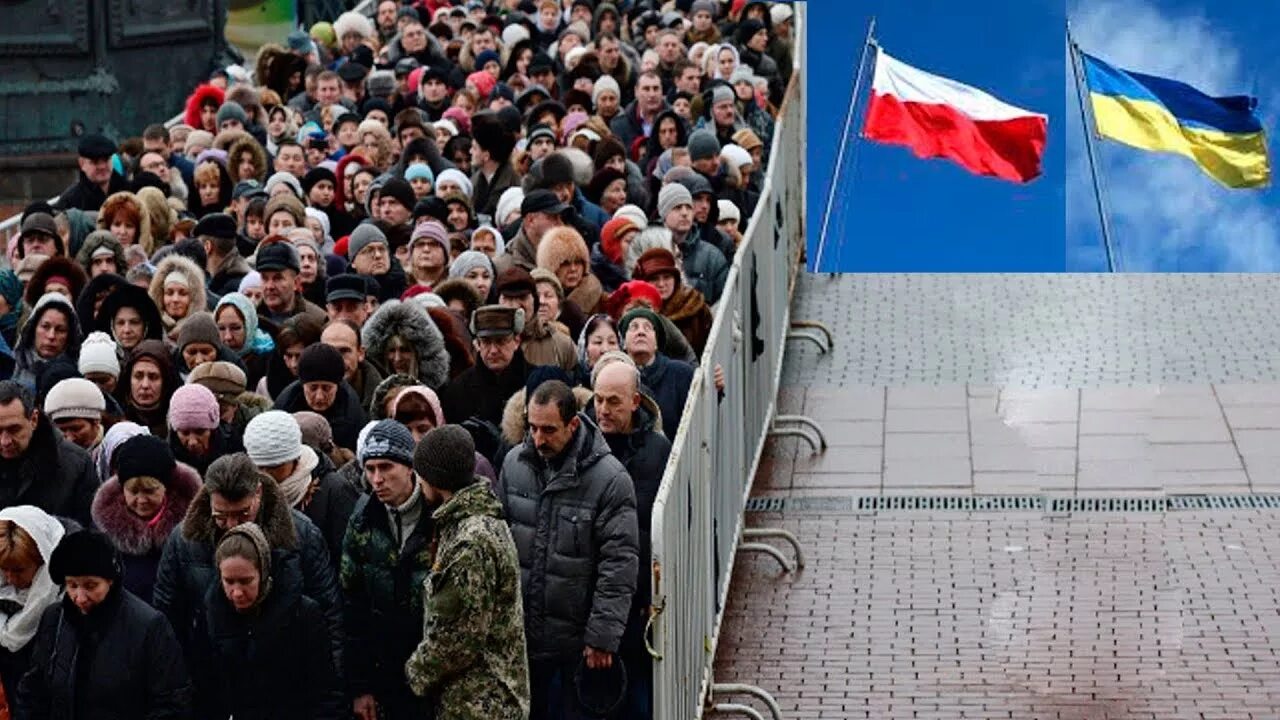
(508, 202)
(735, 156)
(514, 33)
(273, 438)
(74, 398)
(633, 213)
(98, 354)
(728, 211)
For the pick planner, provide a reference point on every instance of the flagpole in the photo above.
(844, 139)
(1088, 126)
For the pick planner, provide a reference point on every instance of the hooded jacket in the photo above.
(28, 362)
(412, 324)
(21, 610)
(58, 266)
(472, 654)
(195, 281)
(704, 266)
(140, 541)
(543, 344)
(125, 294)
(345, 415)
(298, 556)
(156, 419)
(574, 525)
(96, 240)
(191, 113)
(114, 203)
(119, 661)
(250, 145)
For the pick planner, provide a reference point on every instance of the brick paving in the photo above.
(945, 385)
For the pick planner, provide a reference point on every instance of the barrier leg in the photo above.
(747, 710)
(808, 425)
(815, 443)
(753, 691)
(811, 337)
(787, 535)
(814, 325)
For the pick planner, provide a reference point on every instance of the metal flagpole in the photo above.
(1089, 124)
(870, 42)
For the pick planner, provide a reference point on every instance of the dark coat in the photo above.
(53, 474)
(627, 125)
(382, 591)
(299, 558)
(269, 664)
(705, 267)
(610, 274)
(669, 380)
(331, 506)
(119, 662)
(485, 193)
(86, 196)
(225, 440)
(574, 525)
(230, 273)
(141, 542)
(478, 391)
(345, 415)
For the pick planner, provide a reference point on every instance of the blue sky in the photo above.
(1166, 216)
(897, 213)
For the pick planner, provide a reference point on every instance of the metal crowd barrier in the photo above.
(697, 524)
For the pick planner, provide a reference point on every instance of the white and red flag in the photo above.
(939, 117)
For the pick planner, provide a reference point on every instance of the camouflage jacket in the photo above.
(472, 655)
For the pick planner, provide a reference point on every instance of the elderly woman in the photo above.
(682, 304)
(563, 252)
(553, 307)
(102, 651)
(28, 536)
(52, 332)
(237, 322)
(401, 338)
(140, 505)
(178, 290)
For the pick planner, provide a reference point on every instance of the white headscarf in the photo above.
(18, 628)
(455, 176)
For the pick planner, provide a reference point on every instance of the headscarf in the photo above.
(17, 629)
(256, 340)
(587, 327)
(114, 438)
(455, 176)
(263, 549)
(499, 242)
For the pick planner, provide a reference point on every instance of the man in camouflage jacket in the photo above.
(472, 655)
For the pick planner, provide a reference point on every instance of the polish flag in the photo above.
(938, 117)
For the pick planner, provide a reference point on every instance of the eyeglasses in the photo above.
(236, 516)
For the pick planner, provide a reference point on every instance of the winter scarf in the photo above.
(17, 629)
(297, 487)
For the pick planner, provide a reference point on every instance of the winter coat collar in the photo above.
(132, 535)
(588, 448)
(685, 303)
(474, 500)
(274, 517)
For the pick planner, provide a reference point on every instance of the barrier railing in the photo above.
(697, 524)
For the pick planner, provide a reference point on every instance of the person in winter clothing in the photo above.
(234, 493)
(668, 379)
(541, 343)
(97, 180)
(578, 573)
(261, 651)
(606, 258)
(401, 337)
(295, 335)
(128, 316)
(308, 480)
(60, 275)
(50, 334)
(40, 467)
(77, 407)
(564, 252)
(101, 652)
(123, 214)
(632, 427)
(147, 382)
(238, 329)
(28, 536)
(102, 253)
(225, 267)
(704, 265)
(202, 108)
(320, 388)
(361, 374)
(386, 557)
(178, 290)
(482, 390)
(141, 504)
(682, 304)
(199, 435)
(472, 657)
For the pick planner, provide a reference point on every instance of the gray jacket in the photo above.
(575, 531)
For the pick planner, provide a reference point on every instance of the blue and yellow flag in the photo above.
(1221, 134)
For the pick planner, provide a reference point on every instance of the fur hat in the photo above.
(193, 407)
(273, 438)
(74, 398)
(145, 456)
(84, 552)
(611, 236)
(560, 245)
(446, 458)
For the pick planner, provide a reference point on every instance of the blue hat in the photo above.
(483, 59)
(300, 42)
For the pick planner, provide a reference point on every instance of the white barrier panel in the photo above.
(698, 514)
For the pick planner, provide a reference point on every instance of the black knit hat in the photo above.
(388, 440)
(315, 175)
(145, 456)
(556, 169)
(84, 552)
(446, 458)
(321, 363)
(401, 190)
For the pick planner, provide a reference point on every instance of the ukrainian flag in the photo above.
(1221, 134)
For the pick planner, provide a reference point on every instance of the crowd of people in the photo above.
(350, 395)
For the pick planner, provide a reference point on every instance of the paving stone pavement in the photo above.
(1083, 386)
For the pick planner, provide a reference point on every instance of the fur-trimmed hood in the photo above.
(95, 240)
(248, 143)
(274, 66)
(132, 535)
(515, 414)
(195, 279)
(274, 518)
(119, 200)
(191, 115)
(411, 322)
(560, 245)
(57, 266)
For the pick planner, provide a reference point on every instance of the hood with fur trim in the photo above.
(515, 414)
(560, 245)
(54, 267)
(132, 535)
(191, 116)
(116, 202)
(273, 517)
(97, 239)
(410, 322)
(195, 279)
(250, 145)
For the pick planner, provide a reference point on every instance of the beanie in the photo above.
(735, 156)
(721, 93)
(75, 398)
(605, 83)
(364, 235)
(446, 458)
(193, 407)
(317, 433)
(419, 171)
(430, 231)
(401, 191)
(231, 110)
(470, 260)
(98, 354)
(283, 177)
(389, 440)
(84, 552)
(659, 330)
(703, 145)
(611, 237)
(145, 456)
(199, 328)
(672, 196)
(321, 363)
(273, 438)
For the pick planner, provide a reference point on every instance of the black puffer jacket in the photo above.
(119, 662)
(299, 558)
(53, 474)
(345, 415)
(574, 526)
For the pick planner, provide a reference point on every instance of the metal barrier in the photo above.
(697, 524)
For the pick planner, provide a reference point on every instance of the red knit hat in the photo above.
(628, 292)
(340, 247)
(610, 237)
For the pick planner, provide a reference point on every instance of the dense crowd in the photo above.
(350, 395)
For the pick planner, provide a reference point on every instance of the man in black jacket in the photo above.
(97, 180)
(37, 465)
(572, 512)
(224, 266)
(483, 389)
